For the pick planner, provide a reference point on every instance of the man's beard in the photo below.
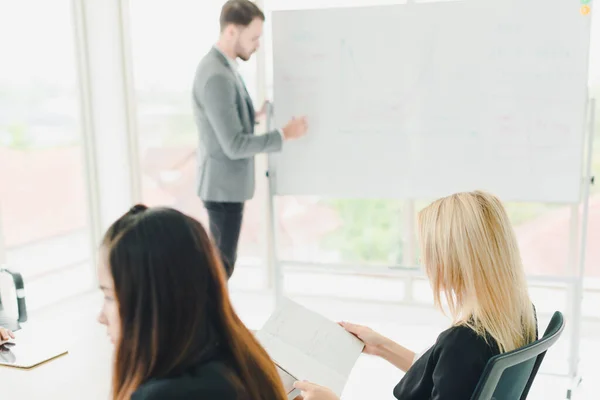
(239, 52)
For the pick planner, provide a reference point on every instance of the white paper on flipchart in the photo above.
(309, 346)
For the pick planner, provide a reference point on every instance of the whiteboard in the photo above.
(424, 100)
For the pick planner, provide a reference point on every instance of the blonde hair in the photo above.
(471, 255)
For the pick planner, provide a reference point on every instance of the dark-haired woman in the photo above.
(167, 311)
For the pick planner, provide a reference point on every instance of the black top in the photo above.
(208, 380)
(450, 369)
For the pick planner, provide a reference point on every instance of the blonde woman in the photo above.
(472, 260)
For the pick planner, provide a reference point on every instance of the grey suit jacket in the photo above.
(225, 119)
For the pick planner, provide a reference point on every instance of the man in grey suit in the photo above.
(225, 118)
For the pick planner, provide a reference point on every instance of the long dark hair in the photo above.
(174, 307)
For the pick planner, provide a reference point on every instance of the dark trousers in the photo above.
(225, 221)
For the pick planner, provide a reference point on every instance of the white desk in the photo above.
(84, 373)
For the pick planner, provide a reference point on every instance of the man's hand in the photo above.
(310, 391)
(263, 110)
(295, 129)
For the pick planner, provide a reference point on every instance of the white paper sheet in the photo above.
(309, 346)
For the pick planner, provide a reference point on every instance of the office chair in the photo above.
(509, 376)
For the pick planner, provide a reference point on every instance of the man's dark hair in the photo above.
(239, 12)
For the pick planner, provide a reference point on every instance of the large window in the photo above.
(169, 38)
(44, 215)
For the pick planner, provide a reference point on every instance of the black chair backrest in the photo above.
(509, 376)
(19, 288)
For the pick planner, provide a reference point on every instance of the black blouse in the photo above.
(208, 378)
(450, 369)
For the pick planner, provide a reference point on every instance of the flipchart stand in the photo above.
(275, 268)
(577, 247)
(580, 250)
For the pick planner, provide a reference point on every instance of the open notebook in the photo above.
(308, 346)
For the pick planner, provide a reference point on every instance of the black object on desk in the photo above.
(6, 321)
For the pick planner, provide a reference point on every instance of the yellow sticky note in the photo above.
(585, 9)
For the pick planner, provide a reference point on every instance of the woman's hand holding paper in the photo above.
(311, 391)
(374, 342)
